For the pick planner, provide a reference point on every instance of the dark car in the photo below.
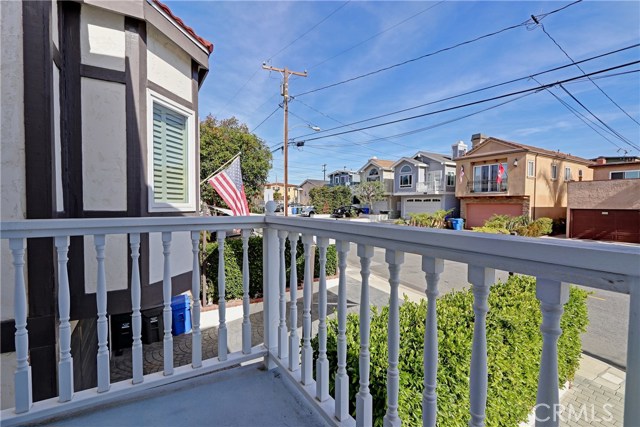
(348, 211)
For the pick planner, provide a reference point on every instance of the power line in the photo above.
(539, 88)
(527, 22)
(267, 118)
(580, 68)
(493, 86)
(376, 35)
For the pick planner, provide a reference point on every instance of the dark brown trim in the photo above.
(172, 96)
(99, 73)
(40, 190)
(153, 292)
(55, 54)
(7, 336)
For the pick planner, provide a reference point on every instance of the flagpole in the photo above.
(221, 167)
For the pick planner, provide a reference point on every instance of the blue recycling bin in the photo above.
(457, 223)
(180, 315)
(294, 210)
(365, 210)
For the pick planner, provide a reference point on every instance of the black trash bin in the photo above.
(122, 334)
(152, 325)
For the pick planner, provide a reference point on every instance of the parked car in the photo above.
(348, 211)
(279, 207)
(308, 211)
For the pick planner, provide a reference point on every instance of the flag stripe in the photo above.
(228, 184)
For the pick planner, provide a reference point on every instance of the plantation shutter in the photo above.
(169, 155)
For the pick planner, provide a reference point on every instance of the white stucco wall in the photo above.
(56, 139)
(115, 263)
(12, 157)
(167, 64)
(102, 38)
(54, 23)
(12, 176)
(104, 145)
(181, 255)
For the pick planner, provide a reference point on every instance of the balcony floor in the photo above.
(241, 396)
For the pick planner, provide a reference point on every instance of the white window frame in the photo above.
(531, 169)
(567, 173)
(554, 171)
(190, 205)
(409, 174)
(373, 175)
(451, 176)
(624, 173)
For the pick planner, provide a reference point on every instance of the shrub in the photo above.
(233, 266)
(521, 225)
(490, 230)
(514, 346)
(436, 219)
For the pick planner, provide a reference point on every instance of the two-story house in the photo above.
(382, 171)
(343, 177)
(99, 119)
(607, 208)
(271, 188)
(306, 186)
(509, 178)
(425, 183)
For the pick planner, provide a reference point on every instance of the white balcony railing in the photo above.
(554, 263)
(430, 187)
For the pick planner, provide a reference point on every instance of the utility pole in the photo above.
(324, 172)
(285, 95)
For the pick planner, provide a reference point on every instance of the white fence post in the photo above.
(22, 377)
(307, 292)
(246, 321)
(364, 401)
(322, 364)
(196, 334)
(294, 339)
(553, 295)
(432, 268)
(342, 379)
(166, 297)
(270, 288)
(222, 302)
(283, 349)
(136, 348)
(481, 278)
(394, 260)
(103, 326)
(65, 364)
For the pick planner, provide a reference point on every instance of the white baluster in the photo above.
(432, 268)
(322, 364)
(103, 326)
(342, 379)
(166, 298)
(481, 278)
(283, 350)
(553, 295)
(631, 408)
(270, 290)
(394, 260)
(246, 321)
(307, 292)
(136, 319)
(196, 334)
(22, 377)
(222, 303)
(65, 364)
(294, 339)
(364, 402)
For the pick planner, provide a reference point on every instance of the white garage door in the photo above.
(380, 206)
(421, 205)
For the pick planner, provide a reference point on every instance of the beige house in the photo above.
(607, 208)
(305, 188)
(508, 178)
(271, 188)
(381, 170)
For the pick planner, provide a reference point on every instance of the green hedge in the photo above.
(521, 225)
(514, 345)
(233, 266)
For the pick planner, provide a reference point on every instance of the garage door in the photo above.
(598, 224)
(381, 207)
(421, 205)
(478, 213)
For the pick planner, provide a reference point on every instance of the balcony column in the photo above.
(307, 351)
(553, 295)
(364, 401)
(631, 408)
(103, 324)
(196, 334)
(222, 302)
(342, 379)
(394, 260)
(136, 319)
(22, 376)
(481, 278)
(270, 274)
(246, 321)
(167, 352)
(65, 364)
(432, 268)
(283, 350)
(294, 339)
(322, 364)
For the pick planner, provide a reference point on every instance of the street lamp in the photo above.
(286, 166)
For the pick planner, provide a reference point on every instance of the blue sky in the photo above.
(247, 33)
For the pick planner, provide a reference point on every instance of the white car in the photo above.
(309, 211)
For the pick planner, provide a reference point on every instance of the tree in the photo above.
(329, 198)
(277, 195)
(220, 140)
(370, 192)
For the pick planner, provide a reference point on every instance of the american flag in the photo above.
(228, 184)
(461, 173)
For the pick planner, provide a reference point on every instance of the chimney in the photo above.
(477, 139)
(601, 161)
(458, 149)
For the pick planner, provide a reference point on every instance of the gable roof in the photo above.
(516, 146)
(414, 162)
(314, 182)
(384, 164)
(207, 44)
(437, 157)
